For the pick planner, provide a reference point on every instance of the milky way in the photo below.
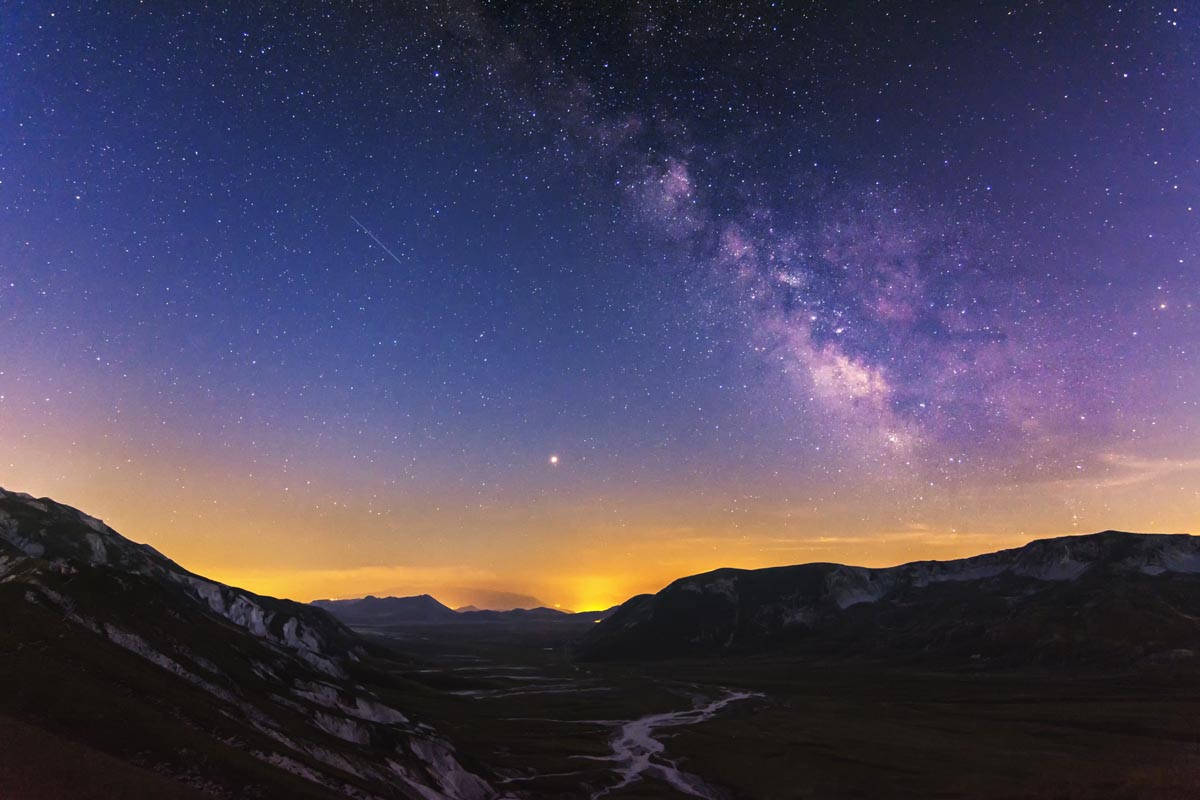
(925, 324)
(309, 297)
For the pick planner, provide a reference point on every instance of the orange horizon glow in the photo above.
(591, 592)
(571, 549)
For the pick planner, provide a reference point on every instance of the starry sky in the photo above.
(571, 299)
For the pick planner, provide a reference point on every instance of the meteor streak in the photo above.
(376, 239)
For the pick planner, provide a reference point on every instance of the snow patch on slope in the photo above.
(456, 782)
(241, 610)
(1173, 557)
(849, 586)
(8, 565)
(94, 524)
(99, 552)
(13, 536)
(801, 615)
(323, 694)
(345, 729)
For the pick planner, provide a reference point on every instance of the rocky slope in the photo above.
(1108, 599)
(112, 645)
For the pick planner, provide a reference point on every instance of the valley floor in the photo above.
(513, 699)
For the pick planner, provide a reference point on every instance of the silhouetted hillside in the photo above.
(1106, 599)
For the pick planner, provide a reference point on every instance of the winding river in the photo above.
(637, 754)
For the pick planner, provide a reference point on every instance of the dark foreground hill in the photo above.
(1107, 600)
(114, 656)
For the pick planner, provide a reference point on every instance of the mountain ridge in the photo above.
(274, 690)
(372, 610)
(825, 609)
(423, 609)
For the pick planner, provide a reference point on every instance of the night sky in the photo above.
(571, 299)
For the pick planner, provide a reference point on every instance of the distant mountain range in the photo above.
(534, 615)
(475, 599)
(113, 650)
(1106, 599)
(372, 610)
(422, 609)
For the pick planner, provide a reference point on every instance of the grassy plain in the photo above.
(524, 706)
